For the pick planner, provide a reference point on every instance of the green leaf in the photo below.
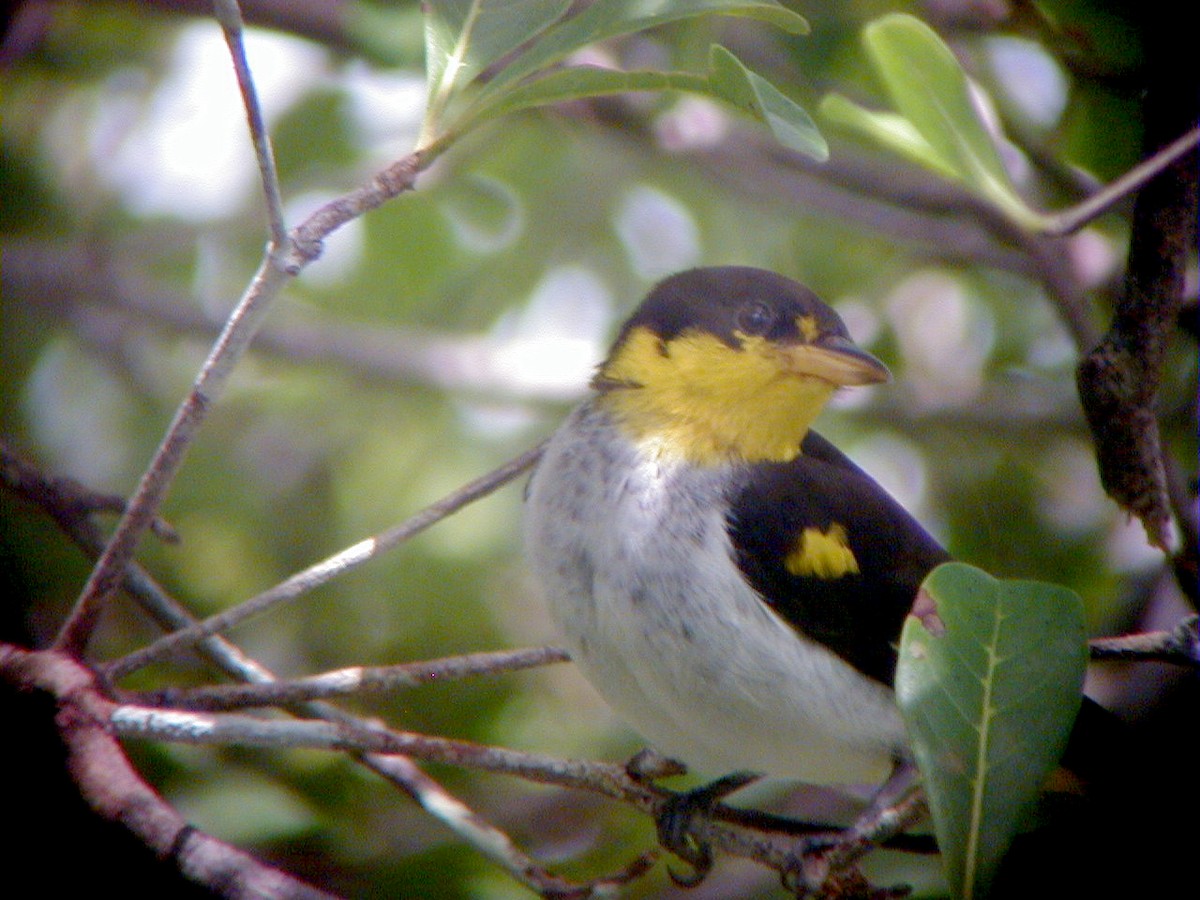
(613, 18)
(727, 80)
(386, 35)
(930, 89)
(754, 95)
(891, 130)
(932, 93)
(463, 37)
(989, 689)
(579, 82)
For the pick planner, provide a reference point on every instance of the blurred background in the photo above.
(454, 327)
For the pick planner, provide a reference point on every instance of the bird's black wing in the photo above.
(853, 603)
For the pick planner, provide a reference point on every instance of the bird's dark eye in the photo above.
(755, 317)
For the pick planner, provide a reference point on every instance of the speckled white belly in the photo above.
(636, 566)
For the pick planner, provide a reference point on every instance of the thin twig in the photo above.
(210, 384)
(1110, 195)
(726, 828)
(1180, 645)
(234, 729)
(321, 573)
(57, 498)
(239, 330)
(491, 841)
(285, 257)
(54, 497)
(355, 680)
(229, 14)
(307, 237)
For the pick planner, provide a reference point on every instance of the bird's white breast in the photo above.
(634, 559)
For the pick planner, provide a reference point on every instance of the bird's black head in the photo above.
(733, 302)
(729, 362)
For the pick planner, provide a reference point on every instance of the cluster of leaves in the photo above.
(464, 39)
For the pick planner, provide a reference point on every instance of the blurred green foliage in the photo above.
(112, 282)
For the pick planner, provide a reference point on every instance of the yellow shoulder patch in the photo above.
(822, 554)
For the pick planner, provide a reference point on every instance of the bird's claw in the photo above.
(679, 814)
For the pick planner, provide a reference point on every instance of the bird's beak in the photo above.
(837, 360)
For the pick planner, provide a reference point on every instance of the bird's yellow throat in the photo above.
(698, 399)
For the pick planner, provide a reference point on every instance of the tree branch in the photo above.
(282, 261)
(51, 496)
(1139, 176)
(1118, 380)
(112, 787)
(322, 572)
(229, 14)
(353, 681)
(1180, 645)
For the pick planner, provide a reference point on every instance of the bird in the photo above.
(730, 583)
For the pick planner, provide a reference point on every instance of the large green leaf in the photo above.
(891, 130)
(727, 80)
(989, 689)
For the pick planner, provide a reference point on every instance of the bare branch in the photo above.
(152, 489)
(231, 346)
(282, 262)
(1180, 645)
(392, 181)
(351, 681)
(209, 385)
(57, 498)
(112, 787)
(489, 840)
(234, 729)
(1119, 378)
(68, 502)
(400, 771)
(229, 14)
(1110, 195)
(329, 568)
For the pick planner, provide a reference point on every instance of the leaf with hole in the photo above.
(989, 687)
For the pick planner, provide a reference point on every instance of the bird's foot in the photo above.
(678, 817)
(682, 809)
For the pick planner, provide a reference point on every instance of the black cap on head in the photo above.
(729, 300)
